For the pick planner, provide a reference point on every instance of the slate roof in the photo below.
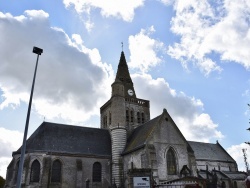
(208, 151)
(61, 138)
(122, 71)
(235, 175)
(139, 136)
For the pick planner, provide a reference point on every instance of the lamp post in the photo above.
(37, 51)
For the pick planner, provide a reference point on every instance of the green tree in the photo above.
(2, 182)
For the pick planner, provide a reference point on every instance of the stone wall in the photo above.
(72, 175)
(217, 165)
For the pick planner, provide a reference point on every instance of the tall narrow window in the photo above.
(97, 172)
(127, 116)
(105, 121)
(109, 118)
(171, 162)
(56, 171)
(132, 115)
(142, 117)
(35, 171)
(235, 184)
(138, 117)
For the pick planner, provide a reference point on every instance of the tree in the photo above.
(2, 182)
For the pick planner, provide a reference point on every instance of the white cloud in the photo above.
(236, 152)
(37, 14)
(166, 2)
(69, 74)
(114, 8)
(4, 162)
(143, 50)
(205, 29)
(187, 112)
(9, 142)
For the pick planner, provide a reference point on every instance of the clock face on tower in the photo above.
(130, 92)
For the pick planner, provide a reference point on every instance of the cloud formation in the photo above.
(9, 142)
(187, 112)
(69, 74)
(120, 9)
(207, 30)
(144, 50)
(236, 152)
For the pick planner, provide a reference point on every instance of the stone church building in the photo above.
(128, 150)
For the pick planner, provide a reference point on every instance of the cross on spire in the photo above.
(122, 46)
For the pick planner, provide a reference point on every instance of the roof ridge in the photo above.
(70, 125)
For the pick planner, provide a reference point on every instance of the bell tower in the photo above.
(121, 114)
(124, 109)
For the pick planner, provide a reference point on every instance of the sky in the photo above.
(189, 57)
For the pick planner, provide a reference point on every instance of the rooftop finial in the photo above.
(122, 46)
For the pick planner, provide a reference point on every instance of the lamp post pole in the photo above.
(37, 51)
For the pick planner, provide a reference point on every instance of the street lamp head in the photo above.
(37, 50)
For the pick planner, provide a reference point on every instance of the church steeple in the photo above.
(122, 71)
(124, 109)
(121, 114)
(123, 84)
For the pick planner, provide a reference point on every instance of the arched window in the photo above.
(35, 171)
(235, 184)
(56, 171)
(171, 162)
(223, 184)
(97, 172)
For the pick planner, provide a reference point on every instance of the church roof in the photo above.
(235, 175)
(139, 136)
(222, 175)
(61, 138)
(208, 151)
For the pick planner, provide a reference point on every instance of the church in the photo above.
(128, 150)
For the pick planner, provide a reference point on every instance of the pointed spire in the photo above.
(123, 79)
(122, 71)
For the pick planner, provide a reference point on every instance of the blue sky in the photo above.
(190, 57)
